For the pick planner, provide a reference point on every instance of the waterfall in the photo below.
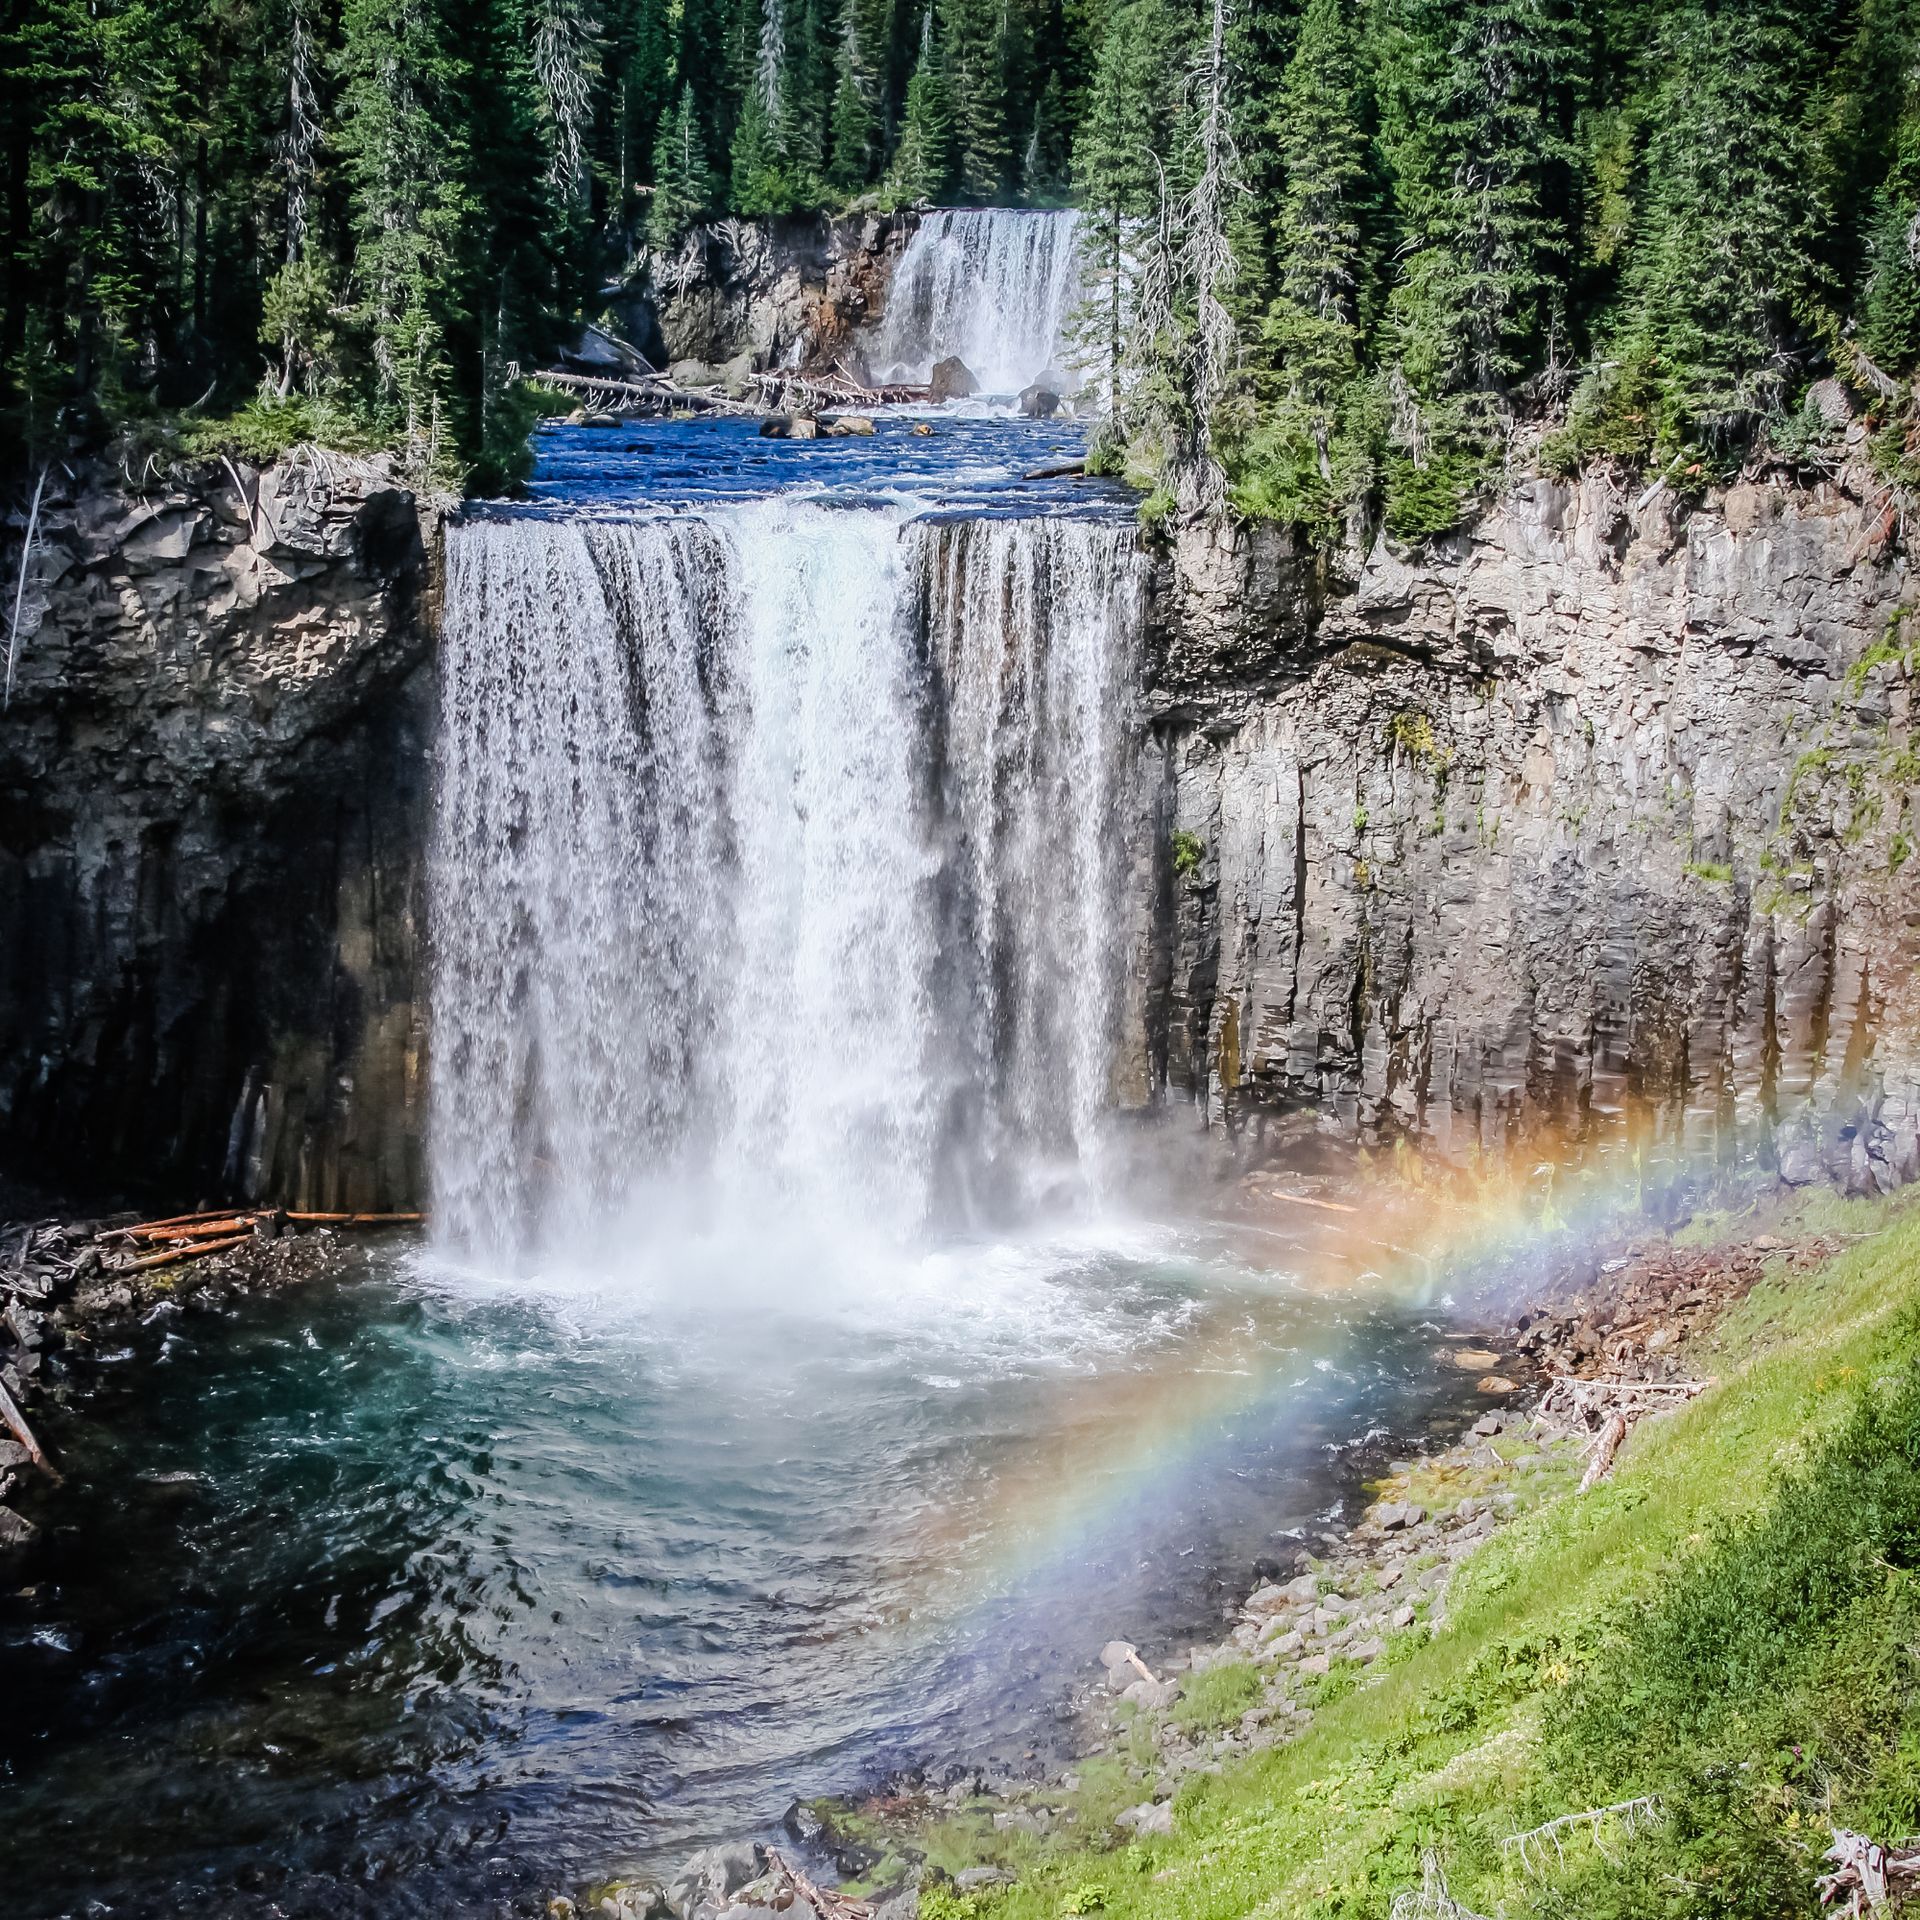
(779, 859)
(994, 285)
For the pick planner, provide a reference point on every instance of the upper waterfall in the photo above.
(780, 858)
(994, 285)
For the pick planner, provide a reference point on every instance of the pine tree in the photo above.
(1117, 165)
(1481, 97)
(974, 34)
(1298, 465)
(682, 182)
(1726, 289)
(924, 162)
(855, 129)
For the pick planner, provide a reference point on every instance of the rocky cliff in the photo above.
(1596, 818)
(213, 779)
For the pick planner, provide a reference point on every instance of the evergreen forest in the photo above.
(1346, 257)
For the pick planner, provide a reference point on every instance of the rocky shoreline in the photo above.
(1630, 1312)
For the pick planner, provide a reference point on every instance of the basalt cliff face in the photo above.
(213, 784)
(1595, 817)
(1598, 814)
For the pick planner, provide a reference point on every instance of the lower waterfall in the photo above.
(779, 865)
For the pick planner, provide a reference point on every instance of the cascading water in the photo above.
(994, 285)
(779, 858)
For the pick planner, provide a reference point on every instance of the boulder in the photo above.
(803, 426)
(709, 1879)
(1148, 1817)
(696, 373)
(1152, 1695)
(1039, 403)
(1116, 1654)
(973, 1879)
(847, 426)
(952, 379)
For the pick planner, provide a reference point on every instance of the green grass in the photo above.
(1728, 1624)
(1219, 1696)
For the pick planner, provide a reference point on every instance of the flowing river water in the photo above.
(804, 1378)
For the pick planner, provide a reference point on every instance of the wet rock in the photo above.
(708, 1880)
(847, 426)
(1039, 403)
(15, 1529)
(952, 379)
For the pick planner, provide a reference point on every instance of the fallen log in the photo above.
(1060, 470)
(1868, 1875)
(1604, 1449)
(1305, 1200)
(827, 1903)
(203, 1230)
(192, 1251)
(357, 1219)
(17, 1421)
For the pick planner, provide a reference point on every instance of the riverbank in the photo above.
(1664, 1692)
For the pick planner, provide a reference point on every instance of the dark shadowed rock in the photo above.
(1039, 403)
(952, 379)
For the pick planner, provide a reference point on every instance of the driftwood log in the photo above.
(17, 1423)
(827, 1903)
(1866, 1875)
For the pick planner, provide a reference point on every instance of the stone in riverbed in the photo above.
(952, 379)
(847, 426)
(707, 1882)
(1039, 403)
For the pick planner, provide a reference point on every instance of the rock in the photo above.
(1402, 1618)
(847, 426)
(1149, 1817)
(1496, 1383)
(1488, 1425)
(1389, 1576)
(1799, 1166)
(15, 1529)
(600, 420)
(1265, 1601)
(634, 1900)
(1303, 1588)
(1367, 1650)
(710, 1877)
(1317, 1663)
(1473, 1359)
(1285, 1639)
(952, 379)
(1118, 1654)
(1039, 403)
(803, 426)
(696, 375)
(1152, 1695)
(1397, 1516)
(975, 1879)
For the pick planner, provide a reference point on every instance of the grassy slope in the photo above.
(1470, 1737)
